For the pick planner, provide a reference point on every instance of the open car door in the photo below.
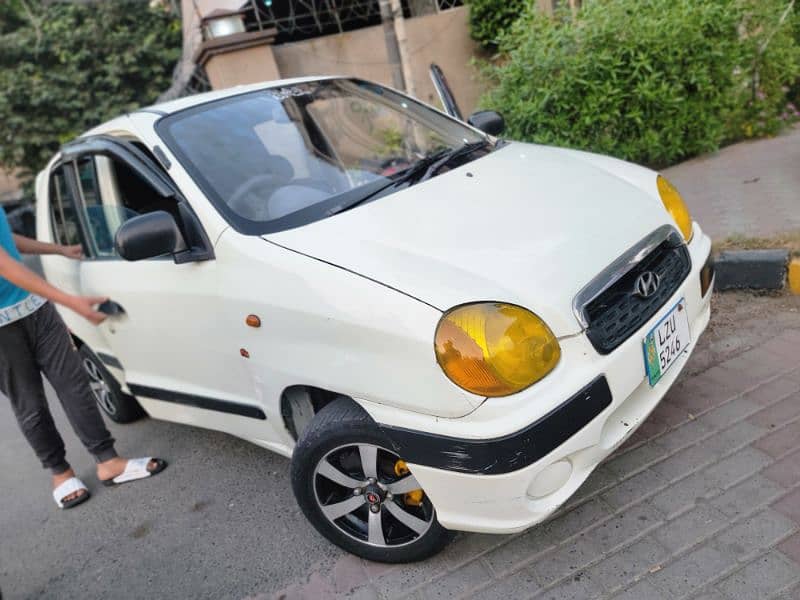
(487, 121)
(445, 93)
(168, 320)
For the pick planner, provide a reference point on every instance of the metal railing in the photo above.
(303, 19)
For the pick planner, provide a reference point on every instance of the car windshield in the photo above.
(282, 157)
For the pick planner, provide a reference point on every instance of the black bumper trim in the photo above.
(234, 408)
(508, 453)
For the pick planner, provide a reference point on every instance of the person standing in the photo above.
(35, 341)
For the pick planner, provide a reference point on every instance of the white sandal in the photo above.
(136, 469)
(70, 486)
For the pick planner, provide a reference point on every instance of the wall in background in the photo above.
(441, 37)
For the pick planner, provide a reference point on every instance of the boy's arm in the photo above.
(27, 245)
(23, 277)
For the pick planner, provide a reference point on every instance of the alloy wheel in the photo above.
(367, 493)
(99, 387)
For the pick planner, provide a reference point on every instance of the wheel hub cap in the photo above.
(374, 496)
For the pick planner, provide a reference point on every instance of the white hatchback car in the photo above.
(443, 330)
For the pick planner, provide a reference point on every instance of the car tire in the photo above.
(343, 437)
(116, 404)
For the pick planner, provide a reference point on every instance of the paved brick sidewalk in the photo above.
(751, 188)
(703, 502)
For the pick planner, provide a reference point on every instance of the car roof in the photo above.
(173, 106)
(190, 101)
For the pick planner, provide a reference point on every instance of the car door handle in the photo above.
(111, 308)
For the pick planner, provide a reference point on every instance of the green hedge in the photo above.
(489, 19)
(66, 67)
(652, 81)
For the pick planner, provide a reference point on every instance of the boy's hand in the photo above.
(84, 306)
(75, 252)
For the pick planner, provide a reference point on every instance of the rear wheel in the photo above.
(119, 406)
(360, 494)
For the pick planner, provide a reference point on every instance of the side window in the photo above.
(104, 209)
(64, 216)
(113, 193)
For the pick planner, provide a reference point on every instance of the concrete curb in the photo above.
(757, 270)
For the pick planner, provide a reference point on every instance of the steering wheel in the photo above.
(249, 201)
(317, 184)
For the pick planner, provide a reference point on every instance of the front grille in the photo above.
(614, 314)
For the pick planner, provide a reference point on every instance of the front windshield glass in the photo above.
(282, 157)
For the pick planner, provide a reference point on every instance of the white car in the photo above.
(443, 330)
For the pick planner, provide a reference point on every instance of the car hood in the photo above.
(526, 224)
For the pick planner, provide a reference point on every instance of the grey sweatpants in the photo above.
(41, 344)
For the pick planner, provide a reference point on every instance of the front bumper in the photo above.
(486, 473)
(510, 452)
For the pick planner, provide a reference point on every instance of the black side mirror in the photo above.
(149, 235)
(488, 121)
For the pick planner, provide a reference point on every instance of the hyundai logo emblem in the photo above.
(646, 284)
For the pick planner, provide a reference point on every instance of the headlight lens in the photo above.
(675, 206)
(495, 349)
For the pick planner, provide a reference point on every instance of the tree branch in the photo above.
(36, 23)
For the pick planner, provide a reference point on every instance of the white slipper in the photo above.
(136, 469)
(70, 486)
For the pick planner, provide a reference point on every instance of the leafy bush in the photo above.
(794, 89)
(65, 67)
(652, 81)
(488, 19)
(771, 65)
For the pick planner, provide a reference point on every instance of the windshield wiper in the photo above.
(421, 166)
(414, 170)
(422, 169)
(451, 155)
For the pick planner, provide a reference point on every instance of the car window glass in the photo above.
(113, 193)
(64, 217)
(102, 219)
(281, 155)
(376, 135)
(87, 178)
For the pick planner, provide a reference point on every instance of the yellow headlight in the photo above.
(674, 204)
(495, 349)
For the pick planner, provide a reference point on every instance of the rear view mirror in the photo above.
(149, 235)
(488, 121)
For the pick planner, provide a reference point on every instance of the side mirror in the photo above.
(488, 121)
(149, 235)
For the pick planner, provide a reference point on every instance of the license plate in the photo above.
(666, 342)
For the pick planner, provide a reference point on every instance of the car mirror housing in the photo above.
(148, 236)
(488, 121)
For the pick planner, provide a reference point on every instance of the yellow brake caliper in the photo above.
(414, 497)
